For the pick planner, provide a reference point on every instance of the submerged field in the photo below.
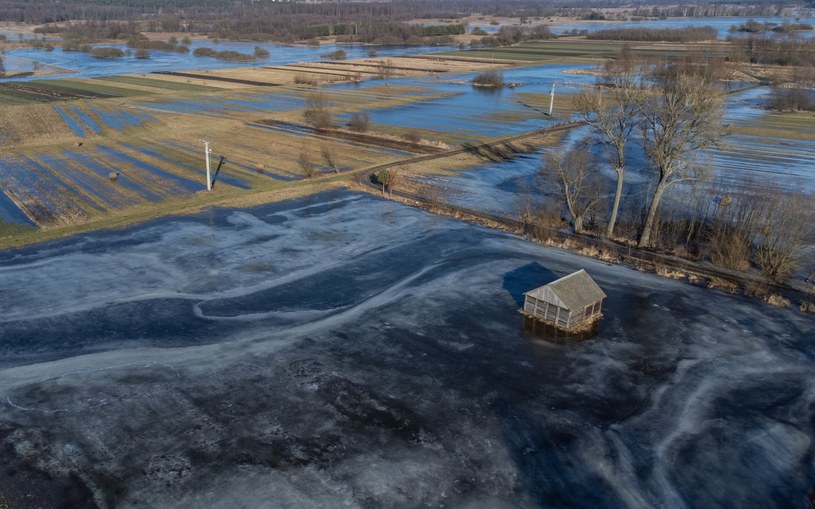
(341, 350)
(79, 150)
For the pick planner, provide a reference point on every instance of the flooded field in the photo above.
(82, 65)
(763, 148)
(471, 113)
(721, 24)
(313, 353)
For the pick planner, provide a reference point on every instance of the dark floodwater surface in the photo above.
(343, 351)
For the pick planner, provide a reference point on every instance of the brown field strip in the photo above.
(219, 78)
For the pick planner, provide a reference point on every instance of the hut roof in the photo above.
(577, 290)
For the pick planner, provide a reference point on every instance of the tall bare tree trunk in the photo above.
(650, 220)
(618, 194)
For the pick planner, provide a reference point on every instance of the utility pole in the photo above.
(551, 99)
(207, 151)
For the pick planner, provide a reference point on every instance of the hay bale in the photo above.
(113, 175)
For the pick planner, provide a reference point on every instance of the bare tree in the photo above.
(579, 185)
(786, 226)
(360, 121)
(385, 70)
(613, 119)
(679, 119)
(307, 164)
(330, 157)
(318, 111)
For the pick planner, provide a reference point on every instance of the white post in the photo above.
(551, 99)
(206, 154)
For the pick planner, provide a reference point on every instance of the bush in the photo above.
(318, 111)
(792, 99)
(260, 52)
(234, 56)
(334, 55)
(142, 53)
(730, 248)
(107, 53)
(360, 122)
(229, 55)
(302, 79)
(307, 164)
(412, 135)
(489, 79)
(204, 52)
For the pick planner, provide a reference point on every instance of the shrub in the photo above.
(307, 164)
(334, 55)
(489, 79)
(107, 53)
(730, 248)
(302, 79)
(360, 122)
(318, 111)
(792, 99)
(260, 52)
(204, 52)
(412, 135)
(142, 53)
(330, 158)
(234, 56)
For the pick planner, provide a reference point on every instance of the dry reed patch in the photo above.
(722, 284)
(665, 271)
(778, 301)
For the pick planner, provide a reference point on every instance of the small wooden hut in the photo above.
(571, 303)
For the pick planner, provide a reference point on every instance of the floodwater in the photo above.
(503, 187)
(77, 64)
(470, 112)
(722, 24)
(345, 351)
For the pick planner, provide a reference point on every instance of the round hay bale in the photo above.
(113, 175)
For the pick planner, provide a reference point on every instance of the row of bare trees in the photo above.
(677, 114)
(674, 113)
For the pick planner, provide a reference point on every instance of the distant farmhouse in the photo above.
(571, 303)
